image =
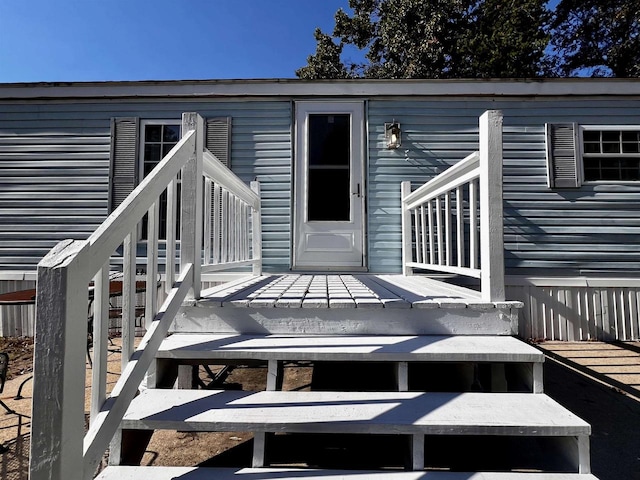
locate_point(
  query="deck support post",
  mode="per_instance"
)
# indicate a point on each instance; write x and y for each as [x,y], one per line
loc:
[256,234]
[417,451]
[402,374]
[491,216]
[192,203]
[259,441]
[407,240]
[57,425]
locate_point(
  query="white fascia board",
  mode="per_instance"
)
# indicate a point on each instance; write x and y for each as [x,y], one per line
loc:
[323,88]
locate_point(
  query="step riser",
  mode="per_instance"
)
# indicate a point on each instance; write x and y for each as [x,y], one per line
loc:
[355,321]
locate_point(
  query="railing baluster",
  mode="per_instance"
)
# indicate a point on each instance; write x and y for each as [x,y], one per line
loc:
[217,222]
[460,226]
[423,224]
[151,303]
[128,298]
[439,229]
[170,253]
[417,230]
[432,247]
[447,228]
[473,225]
[100,340]
[224,254]
[207,221]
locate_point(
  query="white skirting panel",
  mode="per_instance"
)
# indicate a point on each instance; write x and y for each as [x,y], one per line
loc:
[578,309]
[16,320]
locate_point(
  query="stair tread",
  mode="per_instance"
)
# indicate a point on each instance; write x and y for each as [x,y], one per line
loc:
[199,473]
[354,412]
[349,347]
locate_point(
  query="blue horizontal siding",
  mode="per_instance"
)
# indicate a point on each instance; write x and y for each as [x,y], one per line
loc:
[591,229]
[54,168]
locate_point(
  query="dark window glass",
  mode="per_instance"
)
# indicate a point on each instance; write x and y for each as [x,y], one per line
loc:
[591,136]
[329,195]
[611,155]
[158,141]
[171,133]
[153,133]
[328,189]
[630,142]
[329,140]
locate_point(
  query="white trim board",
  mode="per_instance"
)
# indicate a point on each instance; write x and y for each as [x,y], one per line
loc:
[293,87]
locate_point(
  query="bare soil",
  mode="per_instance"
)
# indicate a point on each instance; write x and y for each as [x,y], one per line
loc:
[20,350]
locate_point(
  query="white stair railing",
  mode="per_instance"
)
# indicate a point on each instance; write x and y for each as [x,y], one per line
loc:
[454,222]
[60,450]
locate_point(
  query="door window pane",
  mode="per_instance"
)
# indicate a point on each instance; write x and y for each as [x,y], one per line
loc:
[328,187]
[329,195]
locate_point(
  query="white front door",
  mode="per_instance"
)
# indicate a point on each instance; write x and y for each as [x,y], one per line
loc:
[329,186]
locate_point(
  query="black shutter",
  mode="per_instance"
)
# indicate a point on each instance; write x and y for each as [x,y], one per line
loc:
[218,139]
[123,173]
[562,155]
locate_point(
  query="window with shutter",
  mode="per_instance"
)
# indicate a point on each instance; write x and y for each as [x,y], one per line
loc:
[218,142]
[138,145]
[562,156]
[124,159]
[218,139]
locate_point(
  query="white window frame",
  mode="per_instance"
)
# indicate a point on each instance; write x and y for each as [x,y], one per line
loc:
[582,155]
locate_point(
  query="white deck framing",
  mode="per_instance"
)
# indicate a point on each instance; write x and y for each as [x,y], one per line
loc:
[346,304]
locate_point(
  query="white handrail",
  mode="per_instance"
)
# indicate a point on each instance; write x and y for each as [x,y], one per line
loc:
[58,450]
[214,169]
[455,247]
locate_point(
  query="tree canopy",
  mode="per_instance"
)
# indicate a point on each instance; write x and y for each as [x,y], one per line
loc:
[479,39]
[596,37]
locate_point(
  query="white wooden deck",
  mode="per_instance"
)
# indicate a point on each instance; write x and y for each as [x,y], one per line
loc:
[346,304]
[347,291]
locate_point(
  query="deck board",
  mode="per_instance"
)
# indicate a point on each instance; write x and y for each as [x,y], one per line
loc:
[344,291]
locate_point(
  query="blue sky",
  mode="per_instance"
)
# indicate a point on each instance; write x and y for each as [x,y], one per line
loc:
[84,40]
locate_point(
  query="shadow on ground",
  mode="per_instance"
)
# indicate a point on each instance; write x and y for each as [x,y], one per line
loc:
[614,419]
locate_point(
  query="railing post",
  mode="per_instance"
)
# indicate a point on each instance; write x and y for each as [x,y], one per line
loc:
[256,233]
[491,218]
[405,189]
[57,423]
[192,220]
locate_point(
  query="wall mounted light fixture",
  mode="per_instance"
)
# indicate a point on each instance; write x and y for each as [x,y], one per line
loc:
[392,135]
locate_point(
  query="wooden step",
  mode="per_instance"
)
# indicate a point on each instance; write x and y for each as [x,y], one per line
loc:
[195,473]
[209,348]
[404,413]
[397,348]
